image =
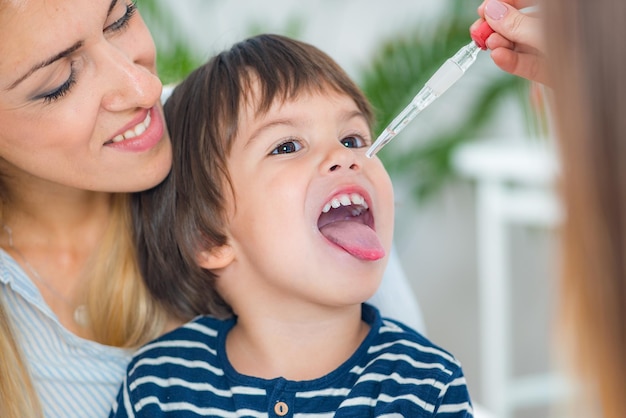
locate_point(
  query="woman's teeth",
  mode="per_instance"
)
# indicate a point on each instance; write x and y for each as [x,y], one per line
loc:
[136,131]
[345,200]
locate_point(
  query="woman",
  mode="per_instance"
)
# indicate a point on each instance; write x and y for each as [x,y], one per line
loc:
[584,64]
[81,120]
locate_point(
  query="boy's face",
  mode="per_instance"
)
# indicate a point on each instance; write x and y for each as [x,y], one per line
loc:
[289,169]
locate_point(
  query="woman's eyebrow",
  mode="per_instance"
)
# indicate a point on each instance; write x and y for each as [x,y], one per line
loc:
[45,63]
[56,57]
[111,7]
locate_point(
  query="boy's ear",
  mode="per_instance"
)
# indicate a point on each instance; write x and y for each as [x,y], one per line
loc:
[216,257]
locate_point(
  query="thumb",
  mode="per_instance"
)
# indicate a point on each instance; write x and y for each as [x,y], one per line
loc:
[513,25]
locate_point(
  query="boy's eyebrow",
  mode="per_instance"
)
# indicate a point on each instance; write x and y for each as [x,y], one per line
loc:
[289,122]
[355,114]
[56,57]
[271,124]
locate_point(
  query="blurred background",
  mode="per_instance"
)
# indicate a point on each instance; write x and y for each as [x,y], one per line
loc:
[475,209]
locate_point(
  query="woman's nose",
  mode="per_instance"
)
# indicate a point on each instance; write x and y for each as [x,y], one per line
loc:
[130,86]
[129,79]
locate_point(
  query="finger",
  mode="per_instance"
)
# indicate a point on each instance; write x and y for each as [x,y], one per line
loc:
[496,41]
[526,65]
[517,4]
[514,25]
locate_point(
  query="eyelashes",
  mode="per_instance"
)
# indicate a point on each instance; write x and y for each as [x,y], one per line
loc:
[122,22]
[290,146]
[118,25]
[63,89]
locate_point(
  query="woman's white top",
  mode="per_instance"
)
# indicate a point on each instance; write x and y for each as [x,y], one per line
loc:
[73,376]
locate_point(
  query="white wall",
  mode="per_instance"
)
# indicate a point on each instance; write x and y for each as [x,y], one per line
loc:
[348,30]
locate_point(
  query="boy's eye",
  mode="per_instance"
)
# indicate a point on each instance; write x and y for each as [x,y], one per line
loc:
[353,142]
[287,147]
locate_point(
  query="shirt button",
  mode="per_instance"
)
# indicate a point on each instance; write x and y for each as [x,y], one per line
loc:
[281,409]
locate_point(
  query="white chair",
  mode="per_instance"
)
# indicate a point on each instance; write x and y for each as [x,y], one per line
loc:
[395,298]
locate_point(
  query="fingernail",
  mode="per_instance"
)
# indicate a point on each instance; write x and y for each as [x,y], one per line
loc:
[495,9]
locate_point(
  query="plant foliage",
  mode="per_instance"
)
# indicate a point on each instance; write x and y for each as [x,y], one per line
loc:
[175,57]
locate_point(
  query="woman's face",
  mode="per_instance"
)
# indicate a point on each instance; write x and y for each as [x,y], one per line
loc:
[79,96]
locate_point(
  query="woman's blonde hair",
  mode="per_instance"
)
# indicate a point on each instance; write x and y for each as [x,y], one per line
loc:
[121,312]
[17,395]
[588,66]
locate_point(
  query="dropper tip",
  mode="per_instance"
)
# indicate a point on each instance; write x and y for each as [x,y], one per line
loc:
[380,142]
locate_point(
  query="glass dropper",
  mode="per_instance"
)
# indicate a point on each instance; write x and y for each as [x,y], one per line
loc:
[448,74]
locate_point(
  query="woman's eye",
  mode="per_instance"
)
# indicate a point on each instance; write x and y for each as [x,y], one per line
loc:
[353,142]
[122,22]
[60,91]
[287,147]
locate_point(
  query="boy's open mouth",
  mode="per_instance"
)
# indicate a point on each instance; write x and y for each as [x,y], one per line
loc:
[347,222]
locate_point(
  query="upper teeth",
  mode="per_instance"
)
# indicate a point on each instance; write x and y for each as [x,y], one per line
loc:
[136,131]
[345,200]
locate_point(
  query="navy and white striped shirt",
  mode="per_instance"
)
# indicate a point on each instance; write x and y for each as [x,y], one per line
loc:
[395,372]
[74,377]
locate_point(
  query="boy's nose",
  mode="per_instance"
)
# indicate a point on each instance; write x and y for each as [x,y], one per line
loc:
[341,158]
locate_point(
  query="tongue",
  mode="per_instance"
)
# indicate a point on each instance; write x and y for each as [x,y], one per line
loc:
[354,237]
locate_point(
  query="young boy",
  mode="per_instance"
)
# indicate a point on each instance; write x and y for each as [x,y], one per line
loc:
[275,223]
